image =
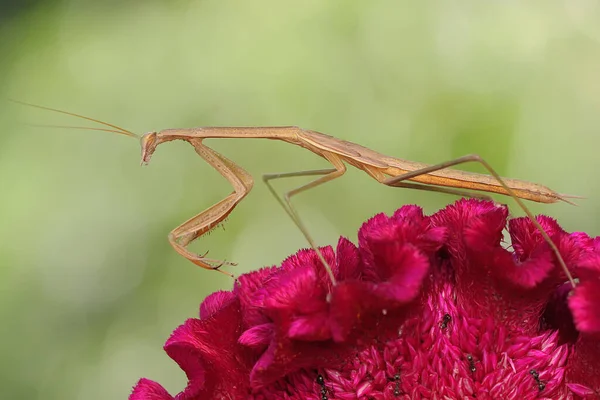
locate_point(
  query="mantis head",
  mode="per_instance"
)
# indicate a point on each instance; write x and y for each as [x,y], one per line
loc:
[148,142]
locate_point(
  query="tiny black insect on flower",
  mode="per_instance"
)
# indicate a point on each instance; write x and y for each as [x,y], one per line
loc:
[471,363]
[397,391]
[320,379]
[324,391]
[536,376]
[534,373]
[445,320]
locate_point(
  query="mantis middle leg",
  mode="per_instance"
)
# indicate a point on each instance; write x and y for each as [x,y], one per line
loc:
[328,175]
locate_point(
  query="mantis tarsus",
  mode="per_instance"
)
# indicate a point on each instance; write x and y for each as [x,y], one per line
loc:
[387,170]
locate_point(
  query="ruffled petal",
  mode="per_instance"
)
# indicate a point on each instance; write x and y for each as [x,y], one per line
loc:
[250,290]
[583,368]
[208,352]
[348,261]
[585,301]
[214,302]
[258,337]
[146,389]
[490,280]
[407,268]
[396,252]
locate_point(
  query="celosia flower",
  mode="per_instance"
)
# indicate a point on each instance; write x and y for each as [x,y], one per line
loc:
[424,308]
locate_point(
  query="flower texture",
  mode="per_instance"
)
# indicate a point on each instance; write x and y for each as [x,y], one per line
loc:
[425,307]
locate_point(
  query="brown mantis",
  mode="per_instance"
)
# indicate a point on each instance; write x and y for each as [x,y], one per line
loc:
[387,170]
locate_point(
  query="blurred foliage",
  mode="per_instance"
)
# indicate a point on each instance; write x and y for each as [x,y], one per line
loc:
[90,289]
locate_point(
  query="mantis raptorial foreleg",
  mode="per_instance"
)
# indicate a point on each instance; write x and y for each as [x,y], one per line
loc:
[196,226]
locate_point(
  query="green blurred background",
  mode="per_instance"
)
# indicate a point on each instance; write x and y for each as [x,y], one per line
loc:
[90,288]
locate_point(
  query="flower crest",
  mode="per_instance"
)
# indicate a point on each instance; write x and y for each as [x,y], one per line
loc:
[424,307]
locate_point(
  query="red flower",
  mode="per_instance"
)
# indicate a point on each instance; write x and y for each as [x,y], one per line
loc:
[424,307]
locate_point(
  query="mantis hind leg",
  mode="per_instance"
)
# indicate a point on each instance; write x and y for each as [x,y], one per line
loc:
[397,181]
[440,189]
[327,175]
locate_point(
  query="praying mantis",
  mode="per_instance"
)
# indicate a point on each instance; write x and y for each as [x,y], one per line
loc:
[390,171]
